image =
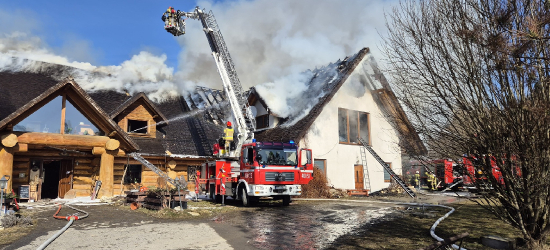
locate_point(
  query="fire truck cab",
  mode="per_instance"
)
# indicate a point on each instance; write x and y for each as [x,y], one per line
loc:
[264,169]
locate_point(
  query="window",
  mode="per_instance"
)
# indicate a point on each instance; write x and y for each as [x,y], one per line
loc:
[262,121]
[321,165]
[136,126]
[50,117]
[45,120]
[77,124]
[387,176]
[133,174]
[352,124]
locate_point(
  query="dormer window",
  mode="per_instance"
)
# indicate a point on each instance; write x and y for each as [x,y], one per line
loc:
[136,126]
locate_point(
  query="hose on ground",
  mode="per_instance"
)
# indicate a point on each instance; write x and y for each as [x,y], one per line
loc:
[432,229]
[70,218]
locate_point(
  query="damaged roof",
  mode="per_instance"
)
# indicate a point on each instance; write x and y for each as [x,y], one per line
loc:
[21,91]
[329,80]
[191,126]
[192,119]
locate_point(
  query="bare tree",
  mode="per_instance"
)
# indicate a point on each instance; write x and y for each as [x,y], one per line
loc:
[474,75]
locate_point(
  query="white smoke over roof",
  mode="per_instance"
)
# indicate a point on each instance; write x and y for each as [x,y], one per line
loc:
[270,42]
[274,43]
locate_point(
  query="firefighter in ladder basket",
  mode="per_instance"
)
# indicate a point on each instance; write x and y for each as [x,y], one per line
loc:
[228,137]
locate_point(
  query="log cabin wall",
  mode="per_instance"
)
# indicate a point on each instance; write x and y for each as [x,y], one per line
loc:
[138,112]
[149,178]
[84,173]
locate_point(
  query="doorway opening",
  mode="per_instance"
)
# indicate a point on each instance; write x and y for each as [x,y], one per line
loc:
[51,175]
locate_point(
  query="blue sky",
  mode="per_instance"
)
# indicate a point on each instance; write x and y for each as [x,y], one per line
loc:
[111,31]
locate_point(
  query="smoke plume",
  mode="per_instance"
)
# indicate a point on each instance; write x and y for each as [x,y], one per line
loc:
[273,42]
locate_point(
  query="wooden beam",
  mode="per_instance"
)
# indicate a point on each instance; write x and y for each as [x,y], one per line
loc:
[102,150]
[48,153]
[6,165]
[9,140]
[98,150]
[112,144]
[47,139]
[21,147]
[106,174]
[63,106]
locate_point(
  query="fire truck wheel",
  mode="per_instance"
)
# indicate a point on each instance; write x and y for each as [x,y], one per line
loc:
[245,198]
[218,198]
[286,200]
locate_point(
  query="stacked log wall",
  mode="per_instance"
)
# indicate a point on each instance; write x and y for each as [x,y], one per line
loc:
[149,178]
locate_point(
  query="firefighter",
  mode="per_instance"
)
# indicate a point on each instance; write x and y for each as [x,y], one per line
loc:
[417,180]
[429,179]
[434,181]
[228,137]
[173,15]
[166,17]
[216,149]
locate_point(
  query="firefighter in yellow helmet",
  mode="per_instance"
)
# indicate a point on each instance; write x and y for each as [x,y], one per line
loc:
[228,137]
[417,180]
[434,181]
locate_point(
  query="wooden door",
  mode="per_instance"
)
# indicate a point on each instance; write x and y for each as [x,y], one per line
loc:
[65,177]
[358,177]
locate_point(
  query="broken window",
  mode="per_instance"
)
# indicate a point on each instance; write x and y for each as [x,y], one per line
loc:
[351,125]
[137,126]
[387,176]
[133,174]
[262,121]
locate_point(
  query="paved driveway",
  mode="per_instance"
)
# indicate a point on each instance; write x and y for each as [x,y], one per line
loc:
[302,225]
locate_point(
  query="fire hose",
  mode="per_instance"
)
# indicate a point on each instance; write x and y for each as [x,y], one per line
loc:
[432,229]
[70,218]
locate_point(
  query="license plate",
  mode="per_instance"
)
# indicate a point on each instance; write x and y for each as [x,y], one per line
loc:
[280,188]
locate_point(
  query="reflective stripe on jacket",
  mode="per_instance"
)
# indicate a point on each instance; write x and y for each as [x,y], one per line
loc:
[228,134]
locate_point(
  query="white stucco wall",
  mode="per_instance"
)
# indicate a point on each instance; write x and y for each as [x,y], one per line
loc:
[323,139]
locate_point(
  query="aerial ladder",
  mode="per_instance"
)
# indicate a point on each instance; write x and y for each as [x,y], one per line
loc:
[265,169]
[244,118]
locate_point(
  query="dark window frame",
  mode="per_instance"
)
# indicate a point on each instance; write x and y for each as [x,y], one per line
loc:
[262,121]
[144,128]
[347,113]
[133,173]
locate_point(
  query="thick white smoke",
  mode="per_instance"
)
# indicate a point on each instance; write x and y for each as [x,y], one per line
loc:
[144,72]
[271,42]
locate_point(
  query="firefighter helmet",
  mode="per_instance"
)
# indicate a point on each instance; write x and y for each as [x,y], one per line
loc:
[228,123]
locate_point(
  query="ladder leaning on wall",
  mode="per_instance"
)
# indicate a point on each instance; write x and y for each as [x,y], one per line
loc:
[366,178]
[387,168]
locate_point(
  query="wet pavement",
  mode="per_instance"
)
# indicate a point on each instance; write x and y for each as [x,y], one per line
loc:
[302,225]
[305,224]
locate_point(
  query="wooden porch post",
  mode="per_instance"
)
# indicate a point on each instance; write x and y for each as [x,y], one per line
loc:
[106,173]
[6,165]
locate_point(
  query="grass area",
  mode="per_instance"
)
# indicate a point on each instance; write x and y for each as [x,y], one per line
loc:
[411,230]
[12,234]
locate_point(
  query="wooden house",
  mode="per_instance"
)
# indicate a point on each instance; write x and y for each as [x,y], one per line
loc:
[59,139]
